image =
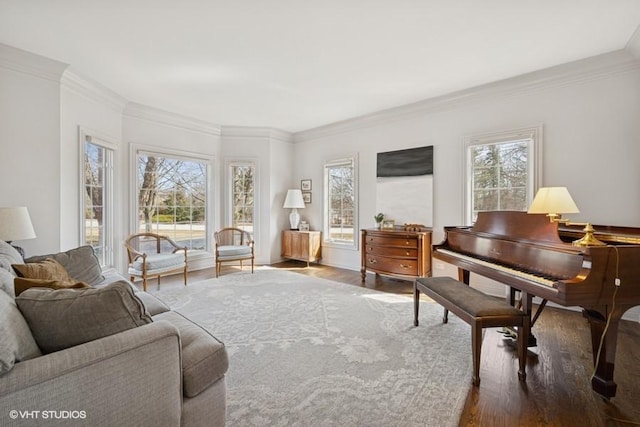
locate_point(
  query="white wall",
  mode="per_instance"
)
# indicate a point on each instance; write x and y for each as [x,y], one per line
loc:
[30,142]
[271,151]
[589,111]
[98,111]
[154,129]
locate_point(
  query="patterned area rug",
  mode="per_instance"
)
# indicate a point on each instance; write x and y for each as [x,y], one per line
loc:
[305,351]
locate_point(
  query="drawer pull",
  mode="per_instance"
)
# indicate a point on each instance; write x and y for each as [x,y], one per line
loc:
[406,267]
[372,261]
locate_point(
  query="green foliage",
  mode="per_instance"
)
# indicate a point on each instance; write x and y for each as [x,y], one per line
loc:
[379,217]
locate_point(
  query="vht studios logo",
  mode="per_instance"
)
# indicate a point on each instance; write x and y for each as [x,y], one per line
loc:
[47,415]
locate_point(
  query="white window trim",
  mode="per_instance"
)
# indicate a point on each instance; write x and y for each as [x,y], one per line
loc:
[335,160]
[243,161]
[97,138]
[135,149]
[535,133]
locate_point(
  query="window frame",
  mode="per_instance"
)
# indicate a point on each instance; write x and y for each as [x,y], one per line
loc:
[140,149]
[532,134]
[229,164]
[88,136]
[327,241]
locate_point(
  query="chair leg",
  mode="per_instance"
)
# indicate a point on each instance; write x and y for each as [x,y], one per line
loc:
[185,275]
[251,265]
[416,304]
[144,283]
[217,268]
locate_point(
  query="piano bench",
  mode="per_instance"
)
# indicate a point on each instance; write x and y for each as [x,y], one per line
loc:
[477,309]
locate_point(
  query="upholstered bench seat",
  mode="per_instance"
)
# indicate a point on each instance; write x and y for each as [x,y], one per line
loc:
[477,309]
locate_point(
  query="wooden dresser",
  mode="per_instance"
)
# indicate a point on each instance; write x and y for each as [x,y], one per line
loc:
[405,254]
[302,245]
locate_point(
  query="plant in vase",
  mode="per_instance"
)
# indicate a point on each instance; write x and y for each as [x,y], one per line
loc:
[379,217]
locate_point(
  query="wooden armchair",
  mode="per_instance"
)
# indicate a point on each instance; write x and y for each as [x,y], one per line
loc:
[154,255]
[233,244]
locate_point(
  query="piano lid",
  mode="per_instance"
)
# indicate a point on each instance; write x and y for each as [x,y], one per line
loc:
[518,225]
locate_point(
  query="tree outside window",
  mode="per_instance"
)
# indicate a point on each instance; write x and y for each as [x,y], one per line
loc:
[242,196]
[340,201]
[97,182]
[172,195]
[501,172]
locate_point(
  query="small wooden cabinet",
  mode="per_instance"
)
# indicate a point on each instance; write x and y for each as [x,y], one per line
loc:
[405,254]
[302,245]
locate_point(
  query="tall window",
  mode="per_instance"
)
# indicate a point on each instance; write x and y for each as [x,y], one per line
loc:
[501,171]
[96,227]
[172,198]
[340,201]
[242,195]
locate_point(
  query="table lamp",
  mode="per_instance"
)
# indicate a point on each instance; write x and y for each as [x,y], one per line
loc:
[554,201]
[15,224]
[294,202]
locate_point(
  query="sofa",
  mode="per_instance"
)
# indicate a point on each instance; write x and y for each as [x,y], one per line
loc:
[103,353]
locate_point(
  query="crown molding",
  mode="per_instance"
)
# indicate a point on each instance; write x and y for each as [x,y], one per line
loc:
[29,63]
[593,68]
[92,90]
[633,45]
[244,132]
[155,115]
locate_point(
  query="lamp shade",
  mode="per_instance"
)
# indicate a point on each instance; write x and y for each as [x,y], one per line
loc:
[293,199]
[15,224]
[553,200]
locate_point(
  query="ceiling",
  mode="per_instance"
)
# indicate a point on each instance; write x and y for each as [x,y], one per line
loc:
[300,64]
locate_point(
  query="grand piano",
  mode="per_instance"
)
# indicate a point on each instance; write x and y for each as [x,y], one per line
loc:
[534,256]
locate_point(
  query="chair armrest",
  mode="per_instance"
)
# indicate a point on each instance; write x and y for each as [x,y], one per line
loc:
[129,378]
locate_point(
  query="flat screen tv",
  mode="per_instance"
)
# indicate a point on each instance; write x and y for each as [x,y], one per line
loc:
[409,162]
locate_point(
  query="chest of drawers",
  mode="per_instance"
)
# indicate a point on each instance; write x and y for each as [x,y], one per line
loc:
[405,254]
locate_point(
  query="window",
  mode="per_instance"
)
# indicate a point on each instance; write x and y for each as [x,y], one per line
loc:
[172,198]
[242,195]
[340,202]
[96,225]
[502,171]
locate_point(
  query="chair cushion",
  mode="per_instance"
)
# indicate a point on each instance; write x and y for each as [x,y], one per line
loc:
[204,357]
[81,263]
[16,341]
[64,318]
[233,251]
[157,263]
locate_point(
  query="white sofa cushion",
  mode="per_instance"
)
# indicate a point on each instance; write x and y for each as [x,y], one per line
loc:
[16,341]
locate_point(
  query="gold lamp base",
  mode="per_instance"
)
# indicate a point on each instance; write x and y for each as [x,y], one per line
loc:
[588,239]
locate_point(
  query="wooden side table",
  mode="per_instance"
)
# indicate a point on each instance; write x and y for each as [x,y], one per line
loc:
[302,245]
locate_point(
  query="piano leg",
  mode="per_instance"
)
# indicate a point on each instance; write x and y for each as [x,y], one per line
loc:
[602,381]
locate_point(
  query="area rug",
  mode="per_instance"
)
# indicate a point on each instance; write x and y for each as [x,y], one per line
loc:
[305,351]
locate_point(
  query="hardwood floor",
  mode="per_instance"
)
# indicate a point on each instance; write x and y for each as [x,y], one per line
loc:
[557,391]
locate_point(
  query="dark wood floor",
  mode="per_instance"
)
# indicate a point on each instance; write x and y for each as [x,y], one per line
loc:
[557,391]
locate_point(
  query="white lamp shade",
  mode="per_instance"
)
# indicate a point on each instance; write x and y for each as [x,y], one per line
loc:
[293,199]
[15,224]
[553,200]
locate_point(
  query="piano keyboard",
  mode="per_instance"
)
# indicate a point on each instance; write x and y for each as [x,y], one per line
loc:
[505,269]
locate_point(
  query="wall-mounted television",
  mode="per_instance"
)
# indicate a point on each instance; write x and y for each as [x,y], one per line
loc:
[409,162]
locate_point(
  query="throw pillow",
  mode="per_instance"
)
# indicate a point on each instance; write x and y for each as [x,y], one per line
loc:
[21,284]
[16,342]
[67,317]
[49,269]
[81,263]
